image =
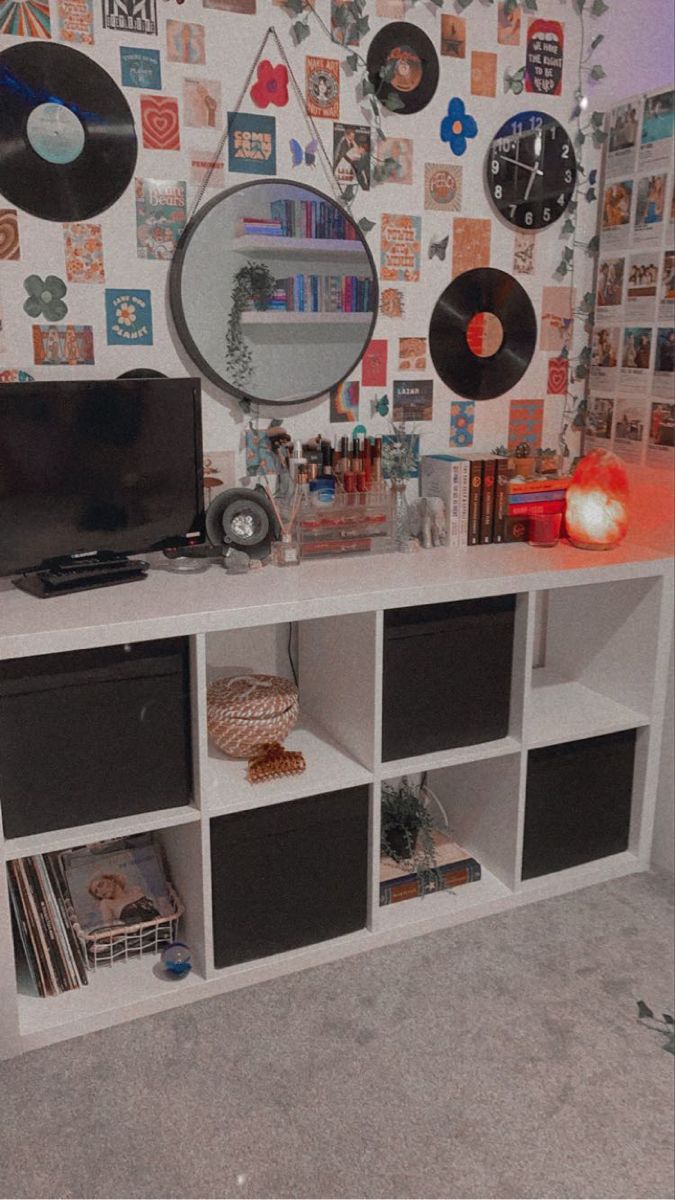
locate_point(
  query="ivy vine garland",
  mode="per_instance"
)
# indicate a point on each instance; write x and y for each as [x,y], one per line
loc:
[252,284]
[352,22]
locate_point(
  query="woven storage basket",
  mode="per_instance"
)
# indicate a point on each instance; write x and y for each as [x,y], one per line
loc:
[246,710]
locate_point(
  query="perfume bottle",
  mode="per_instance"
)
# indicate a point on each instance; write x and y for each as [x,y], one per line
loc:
[285,552]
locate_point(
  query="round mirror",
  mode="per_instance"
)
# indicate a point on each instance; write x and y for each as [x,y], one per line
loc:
[274,292]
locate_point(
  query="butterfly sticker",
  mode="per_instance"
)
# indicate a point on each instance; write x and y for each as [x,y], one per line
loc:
[381,406]
[308,155]
[438,247]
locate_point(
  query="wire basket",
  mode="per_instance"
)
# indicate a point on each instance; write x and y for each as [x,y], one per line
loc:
[104,947]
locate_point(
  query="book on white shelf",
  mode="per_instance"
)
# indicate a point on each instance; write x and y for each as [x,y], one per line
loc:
[454,867]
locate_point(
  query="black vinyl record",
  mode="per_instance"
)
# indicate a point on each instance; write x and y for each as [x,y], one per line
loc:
[405,50]
[67,136]
[482,293]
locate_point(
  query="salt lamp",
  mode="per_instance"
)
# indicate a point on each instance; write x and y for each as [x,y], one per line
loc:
[596,512]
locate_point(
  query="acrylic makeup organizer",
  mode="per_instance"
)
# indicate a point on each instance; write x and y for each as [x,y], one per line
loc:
[356,522]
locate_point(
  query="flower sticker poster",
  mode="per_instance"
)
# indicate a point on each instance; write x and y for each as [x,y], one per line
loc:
[458,126]
[271,85]
[400,247]
[83,245]
[63,345]
[128,317]
[45,297]
[462,420]
[322,87]
[160,216]
[251,144]
[544,57]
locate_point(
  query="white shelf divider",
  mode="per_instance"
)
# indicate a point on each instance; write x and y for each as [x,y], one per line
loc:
[449,758]
[293,247]
[277,317]
[82,835]
[564,710]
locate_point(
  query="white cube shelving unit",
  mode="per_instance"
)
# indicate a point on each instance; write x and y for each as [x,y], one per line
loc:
[590,657]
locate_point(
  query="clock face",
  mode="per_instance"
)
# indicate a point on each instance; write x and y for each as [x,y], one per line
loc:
[531,170]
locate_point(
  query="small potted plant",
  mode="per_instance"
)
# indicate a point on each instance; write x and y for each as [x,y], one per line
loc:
[406,834]
[253,285]
[547,461]
[522,460]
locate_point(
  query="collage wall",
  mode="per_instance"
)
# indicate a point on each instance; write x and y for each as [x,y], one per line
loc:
[182,67]
[631,405]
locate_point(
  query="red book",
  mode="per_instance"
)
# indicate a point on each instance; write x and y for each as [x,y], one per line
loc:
[487,500]
[537,508]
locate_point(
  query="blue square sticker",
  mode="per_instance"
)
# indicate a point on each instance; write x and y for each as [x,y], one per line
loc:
[128,315]
[140,68]
[251,144]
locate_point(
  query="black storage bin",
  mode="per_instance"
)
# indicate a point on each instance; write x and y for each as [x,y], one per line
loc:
[447,675]
[94,734]
[578,802]
[289,875]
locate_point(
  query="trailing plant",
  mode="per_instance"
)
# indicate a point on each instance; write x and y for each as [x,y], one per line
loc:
[252,284]
[665,1025]
[407,833]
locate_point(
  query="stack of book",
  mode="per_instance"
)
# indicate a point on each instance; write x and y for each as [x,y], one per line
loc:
[54,955]
[263,226]
[483,504]
[533,497]
[322,293]
[312,219]
[454,866]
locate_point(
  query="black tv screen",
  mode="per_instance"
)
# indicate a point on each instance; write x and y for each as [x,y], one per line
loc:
[113,465]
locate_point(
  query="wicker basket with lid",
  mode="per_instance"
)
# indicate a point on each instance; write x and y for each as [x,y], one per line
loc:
[244,711]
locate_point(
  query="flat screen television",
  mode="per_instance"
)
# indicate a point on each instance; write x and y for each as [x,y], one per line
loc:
[98,465]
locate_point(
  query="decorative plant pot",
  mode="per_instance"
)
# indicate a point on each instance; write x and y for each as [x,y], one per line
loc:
[522,466]
[244,711]
[402,842]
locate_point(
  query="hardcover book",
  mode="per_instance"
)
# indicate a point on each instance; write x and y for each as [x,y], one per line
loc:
[454,867]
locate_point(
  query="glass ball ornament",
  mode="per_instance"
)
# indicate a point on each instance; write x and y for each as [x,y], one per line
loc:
[177,959]
[596,507]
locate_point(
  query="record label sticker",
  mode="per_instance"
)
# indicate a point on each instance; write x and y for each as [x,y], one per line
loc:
[55,133]
[407,67]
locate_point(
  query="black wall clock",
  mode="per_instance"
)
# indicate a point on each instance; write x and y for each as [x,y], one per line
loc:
[531,170]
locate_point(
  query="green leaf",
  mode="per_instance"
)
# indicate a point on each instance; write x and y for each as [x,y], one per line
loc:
[300,31]
[568,227]
[365,225]
[564,352]
[363,25]
[668,1019]
[568,254]
[579,138]
[599,37]
[393,102]
[597,120]
[588,300]
[367,88]
[349,193]
[580,5]
[438,3]
[464,3]
[562,268]
[599,136]
[380,133]
[598,8]
[644,1010]
[594,245]
[530,5]
[245,405]
[597,72]
[580,371]
[294,6]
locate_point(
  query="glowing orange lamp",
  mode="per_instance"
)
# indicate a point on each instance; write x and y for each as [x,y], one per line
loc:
[596,512]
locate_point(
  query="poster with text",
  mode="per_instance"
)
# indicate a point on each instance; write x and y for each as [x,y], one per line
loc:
[661,440]
[641,291]
[636,354]
[351,155]
[130,16]
[650,204]
[160,216]
[667,288]
[629,428]
[128,314]
[624,127]
[604,357]
[75,20]
[322,87]
[442,187]
[609,296]
[663,364]
[599,421]
[374,364]
[400,247]
[656,137]
[616,209]
[140,68]
[544,57]
[206,167]
[413,400]
[251,144]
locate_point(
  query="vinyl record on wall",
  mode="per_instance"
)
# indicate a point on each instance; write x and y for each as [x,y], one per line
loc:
[402,60]
[482,333]
[67,137]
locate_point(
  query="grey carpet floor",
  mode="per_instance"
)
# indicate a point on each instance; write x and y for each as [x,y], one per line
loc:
[500,1059]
